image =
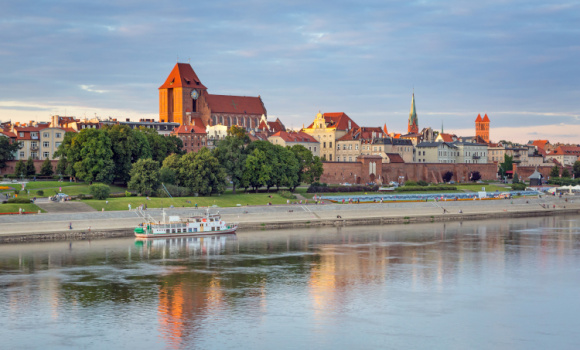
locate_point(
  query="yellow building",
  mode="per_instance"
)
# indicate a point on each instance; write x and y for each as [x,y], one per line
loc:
[326,129]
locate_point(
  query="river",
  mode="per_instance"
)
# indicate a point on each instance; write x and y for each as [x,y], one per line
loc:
[503,284]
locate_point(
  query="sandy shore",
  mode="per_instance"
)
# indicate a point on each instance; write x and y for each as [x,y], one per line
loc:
[111,224]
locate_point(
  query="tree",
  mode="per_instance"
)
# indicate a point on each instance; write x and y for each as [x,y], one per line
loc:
[555,172]
[168,175]
[61,166]
[576,169]
[7,150]
[145,177]
[289,168]
[231,153]
[566,173]
[172,161]
[46,169]
[92,156]
[67,153]
[202,173]
[310,166]
[100,191]
[516,178]
[128,146]
[475,176]
[447,176]
[258,170]
[20,168]
[507,165]
[30,169]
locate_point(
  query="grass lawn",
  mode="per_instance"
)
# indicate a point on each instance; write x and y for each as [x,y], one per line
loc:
[50,188]
[225,200]
[13,208]
[477,187]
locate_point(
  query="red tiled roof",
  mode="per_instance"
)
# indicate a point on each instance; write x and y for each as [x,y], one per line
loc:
[275,126]
[235,104]
[447,137]
[338,120]
[8,133]
[259,136]
[478,119]
[294,136]
[31,128]
[571,150]
[189,129]
[540,143]
[485,118]
[68,129]
[395,158]
[363,133]
[182,75]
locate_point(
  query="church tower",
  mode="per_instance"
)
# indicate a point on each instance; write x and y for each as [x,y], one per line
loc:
[482,127]
[413,126]
[182,96]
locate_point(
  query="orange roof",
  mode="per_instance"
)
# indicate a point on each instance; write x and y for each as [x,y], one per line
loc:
[485,118]
[540,143]
[68,129]
[447,137]
[338,120]
[182,75]
[189,129]
[571,150]
[478,119]
[294,136]
[395,158]
[235,104]
[8,133]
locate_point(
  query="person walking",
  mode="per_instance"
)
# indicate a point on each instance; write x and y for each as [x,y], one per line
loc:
[129,205]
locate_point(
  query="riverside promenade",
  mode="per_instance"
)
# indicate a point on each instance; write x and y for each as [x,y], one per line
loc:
[122,223]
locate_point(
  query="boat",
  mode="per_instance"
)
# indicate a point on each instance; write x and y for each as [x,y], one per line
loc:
[196,225]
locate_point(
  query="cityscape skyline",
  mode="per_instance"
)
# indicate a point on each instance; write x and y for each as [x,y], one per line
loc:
[513,60]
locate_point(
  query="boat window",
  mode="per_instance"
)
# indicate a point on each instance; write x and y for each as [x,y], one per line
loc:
[167,231]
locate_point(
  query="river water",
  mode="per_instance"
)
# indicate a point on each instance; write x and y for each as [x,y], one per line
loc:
[504,284]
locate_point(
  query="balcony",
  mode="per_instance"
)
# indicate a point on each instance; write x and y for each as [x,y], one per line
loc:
[476,157]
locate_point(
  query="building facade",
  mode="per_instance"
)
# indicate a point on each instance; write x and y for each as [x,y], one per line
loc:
[289,139]
[326,129]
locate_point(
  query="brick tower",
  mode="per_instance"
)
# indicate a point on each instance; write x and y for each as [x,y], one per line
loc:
[482,127]
[182,96]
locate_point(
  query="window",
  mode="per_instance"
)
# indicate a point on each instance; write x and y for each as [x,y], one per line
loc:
[350,159]
[343,147]
[21,155]
[310,148]
[330,145]
[57,144]
[324,145]
[338,159]
[46,144]
[45,134]
[34,144]
[21,134]
[314,148]
[46,155]
[330,157]
[356,146]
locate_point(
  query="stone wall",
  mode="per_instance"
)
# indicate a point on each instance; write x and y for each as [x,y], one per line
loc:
[11,164]
[525,171]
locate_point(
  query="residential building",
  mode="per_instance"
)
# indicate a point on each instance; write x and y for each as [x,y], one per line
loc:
[270,128]
[289,139]
[348,147]
[29,138]
[327,128]
[437,152]
[50,140]
[193,136]
[164,129]
[215,133]
[389,145]
[471,153]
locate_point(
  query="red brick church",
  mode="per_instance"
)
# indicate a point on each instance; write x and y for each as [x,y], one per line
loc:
[185,100]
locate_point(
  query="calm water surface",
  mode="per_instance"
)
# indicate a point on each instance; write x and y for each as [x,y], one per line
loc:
[512,284]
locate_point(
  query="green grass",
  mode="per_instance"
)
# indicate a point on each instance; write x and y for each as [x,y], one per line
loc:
[225,200]
[13,208]
[50,188]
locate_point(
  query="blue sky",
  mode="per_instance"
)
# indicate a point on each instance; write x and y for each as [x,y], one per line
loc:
[518,61]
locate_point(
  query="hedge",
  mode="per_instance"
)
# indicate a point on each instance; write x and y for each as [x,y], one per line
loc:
[323,189]
[425,188]
[18,200]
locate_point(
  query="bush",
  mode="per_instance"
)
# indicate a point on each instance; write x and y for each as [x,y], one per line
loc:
[516,178]
[318,184]
[518,187]
[127,194]
[447,176]
[100,191]
[421,183]
[40,193]
[19,200]
[287,195]
[410,183]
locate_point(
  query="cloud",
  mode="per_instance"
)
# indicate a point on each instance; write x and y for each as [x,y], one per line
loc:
[90,88]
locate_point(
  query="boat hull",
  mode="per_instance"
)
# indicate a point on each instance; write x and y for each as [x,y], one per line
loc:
[186,234]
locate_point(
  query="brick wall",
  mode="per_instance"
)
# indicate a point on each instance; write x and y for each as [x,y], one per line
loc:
[9,169]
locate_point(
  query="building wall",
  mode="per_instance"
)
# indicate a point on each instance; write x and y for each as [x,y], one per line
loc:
[54,137]
[11,164]
[346,150]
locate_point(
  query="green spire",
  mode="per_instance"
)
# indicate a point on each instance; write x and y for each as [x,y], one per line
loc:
[413,113]
[442,126]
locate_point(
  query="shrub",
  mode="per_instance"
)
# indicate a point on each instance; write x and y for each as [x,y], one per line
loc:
[287,195]
[516,178]
[421,183]
[518,187]
[40,193]
[318,184]
[448,176]
[127,194]
[18,200]
[410,183]
[100,191]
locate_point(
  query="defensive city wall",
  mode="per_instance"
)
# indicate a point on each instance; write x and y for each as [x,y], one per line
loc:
[372,169]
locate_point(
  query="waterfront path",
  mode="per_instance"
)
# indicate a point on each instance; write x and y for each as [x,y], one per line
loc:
[265,216]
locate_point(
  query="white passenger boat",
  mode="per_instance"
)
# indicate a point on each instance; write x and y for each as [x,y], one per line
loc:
[176,226]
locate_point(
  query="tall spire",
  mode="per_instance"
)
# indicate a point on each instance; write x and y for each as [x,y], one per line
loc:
[413,126]
[442,126]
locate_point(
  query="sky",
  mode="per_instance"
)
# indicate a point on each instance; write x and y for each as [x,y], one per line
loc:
[517,61]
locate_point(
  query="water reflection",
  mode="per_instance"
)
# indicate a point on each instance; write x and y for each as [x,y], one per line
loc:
[306,287]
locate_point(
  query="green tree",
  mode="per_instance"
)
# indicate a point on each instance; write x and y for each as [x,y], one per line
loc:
[202,173]
[555,172]
[162,146]
[7,150]
[172,161]
[576,169]
[231,153]
[61,166]
[516,178]
[30,169]
[46,169]
[128,146]
[68,151]
[92,156]
[168,175]
[289,168]
[20,168]
[239,133]
[566,173]
[99,191]
[507,165]
[311,167]
[258,170]
[145,177]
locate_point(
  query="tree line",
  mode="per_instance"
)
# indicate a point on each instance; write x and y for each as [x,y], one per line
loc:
[235,159]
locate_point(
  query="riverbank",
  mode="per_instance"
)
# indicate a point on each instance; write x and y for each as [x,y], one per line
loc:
[40,227]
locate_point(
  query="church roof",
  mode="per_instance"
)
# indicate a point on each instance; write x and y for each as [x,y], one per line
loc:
[182,75]
[478,119]
[235,104]
[485,118]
